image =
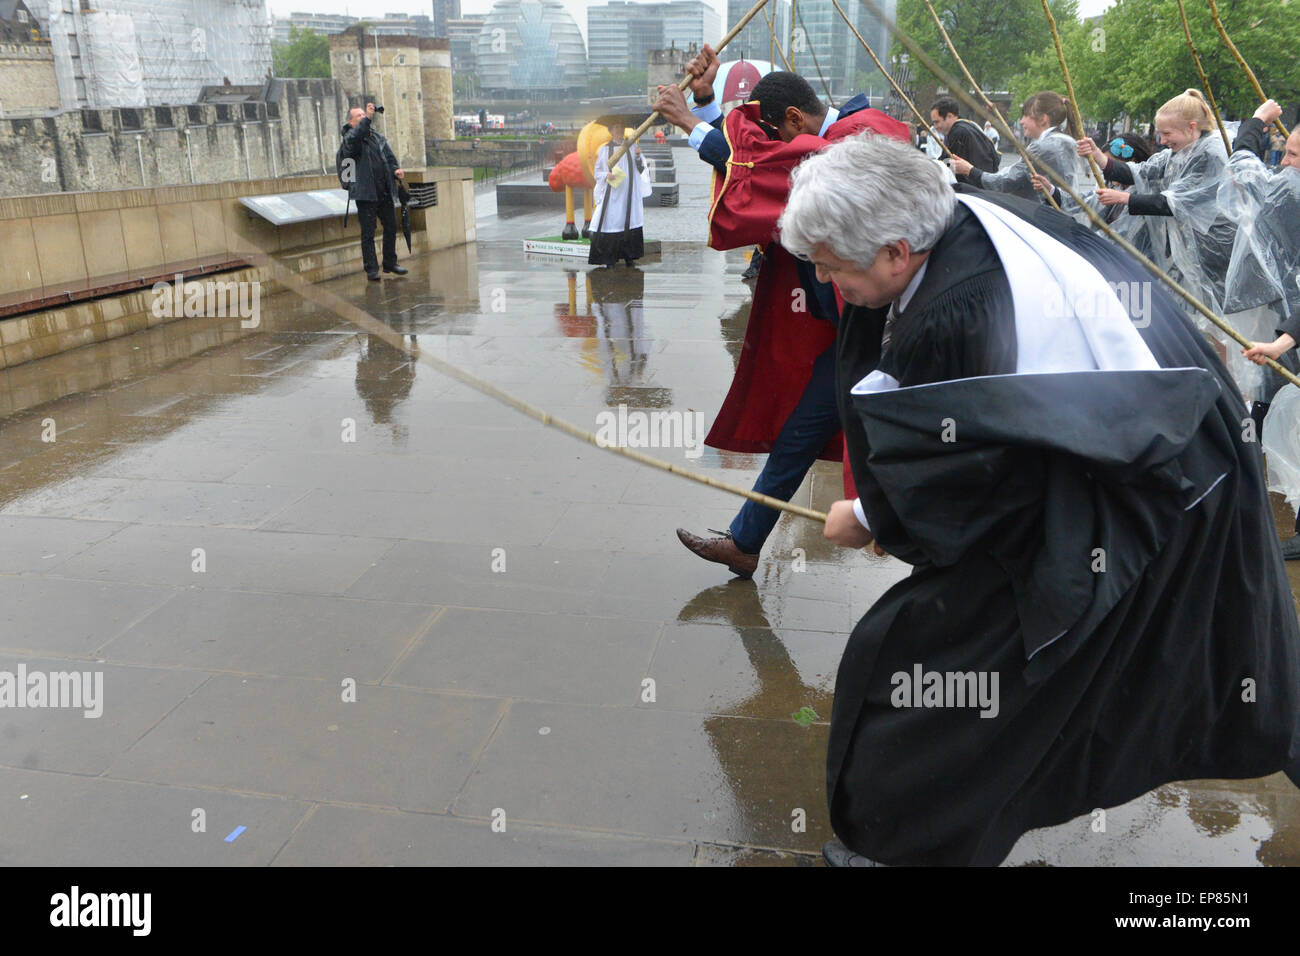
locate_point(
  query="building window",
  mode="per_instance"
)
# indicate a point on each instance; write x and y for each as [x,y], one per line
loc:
[22,16]
[347,58]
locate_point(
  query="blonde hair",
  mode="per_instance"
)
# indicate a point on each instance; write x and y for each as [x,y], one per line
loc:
[1187,108]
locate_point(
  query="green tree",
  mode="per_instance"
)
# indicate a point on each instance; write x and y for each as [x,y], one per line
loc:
[306,54]
[617,83]
[1135,57]
[997,39]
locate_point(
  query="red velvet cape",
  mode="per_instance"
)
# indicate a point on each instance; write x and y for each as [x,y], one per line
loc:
[781,344]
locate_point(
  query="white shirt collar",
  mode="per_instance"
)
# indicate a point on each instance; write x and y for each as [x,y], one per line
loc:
[912,286]
[832,115]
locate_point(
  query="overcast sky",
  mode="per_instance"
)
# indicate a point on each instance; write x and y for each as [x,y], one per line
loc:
[576,8]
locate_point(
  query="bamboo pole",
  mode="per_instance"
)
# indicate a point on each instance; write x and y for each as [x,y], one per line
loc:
[1205,80]
[772,45]
[885,73]
[1069,93]
[1097,221]
[683,83]
[330,302]
[999,121]
[817,63]
[1241,61]
[790,43]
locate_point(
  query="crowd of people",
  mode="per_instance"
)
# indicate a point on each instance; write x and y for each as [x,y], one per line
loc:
[1071,472]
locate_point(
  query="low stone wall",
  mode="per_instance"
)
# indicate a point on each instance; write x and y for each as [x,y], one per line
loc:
[71,245]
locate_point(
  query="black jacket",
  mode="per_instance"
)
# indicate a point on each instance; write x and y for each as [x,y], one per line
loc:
[968,141]
[370,174]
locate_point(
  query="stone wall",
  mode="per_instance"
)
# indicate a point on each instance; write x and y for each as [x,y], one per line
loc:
[90,258]
[27,81]
[388,73]
[293,131]
[435,82]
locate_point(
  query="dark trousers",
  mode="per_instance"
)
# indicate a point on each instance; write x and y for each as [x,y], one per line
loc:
[813,423]
[367,213]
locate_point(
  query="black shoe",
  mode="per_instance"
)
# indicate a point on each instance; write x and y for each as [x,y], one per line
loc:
[836,853]
[396,270]
[755,263]
[372,276]
[1291,548]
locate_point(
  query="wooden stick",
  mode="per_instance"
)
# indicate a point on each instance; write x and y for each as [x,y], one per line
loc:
[1004,128]
[331,302]
[817,63]
[1205,80]
[1097,221]
[1241,60]
[685,82]
[790,42]
[897,89]
[773,46]
[1069,93]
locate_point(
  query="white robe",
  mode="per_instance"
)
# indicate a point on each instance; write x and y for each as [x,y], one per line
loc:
[620,217]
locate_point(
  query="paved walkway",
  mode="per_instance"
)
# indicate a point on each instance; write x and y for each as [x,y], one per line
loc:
[493,594]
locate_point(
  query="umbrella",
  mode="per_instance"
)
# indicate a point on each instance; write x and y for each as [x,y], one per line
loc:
[404,197]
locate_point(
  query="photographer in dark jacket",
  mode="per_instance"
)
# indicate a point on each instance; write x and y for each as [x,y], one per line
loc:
[366,168]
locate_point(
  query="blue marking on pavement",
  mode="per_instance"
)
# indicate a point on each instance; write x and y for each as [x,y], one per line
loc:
[234,834]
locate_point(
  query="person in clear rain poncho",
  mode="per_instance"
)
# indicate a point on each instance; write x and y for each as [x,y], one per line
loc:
[1263,283]
[1172,214]
[1042,117]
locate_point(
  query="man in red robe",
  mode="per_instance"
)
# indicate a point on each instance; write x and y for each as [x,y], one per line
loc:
[782,399]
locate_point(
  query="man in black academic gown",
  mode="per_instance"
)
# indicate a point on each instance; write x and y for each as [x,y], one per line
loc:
[1098,605]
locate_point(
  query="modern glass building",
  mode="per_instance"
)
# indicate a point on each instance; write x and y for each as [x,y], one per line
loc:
[821,40]
[620,34]
[530,48]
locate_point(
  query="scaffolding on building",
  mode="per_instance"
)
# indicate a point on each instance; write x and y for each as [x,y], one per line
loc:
[111,53]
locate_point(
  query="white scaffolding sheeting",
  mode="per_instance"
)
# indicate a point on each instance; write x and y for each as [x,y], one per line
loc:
[146,53]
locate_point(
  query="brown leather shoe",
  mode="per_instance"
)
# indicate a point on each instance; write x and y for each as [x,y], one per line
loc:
[721,549]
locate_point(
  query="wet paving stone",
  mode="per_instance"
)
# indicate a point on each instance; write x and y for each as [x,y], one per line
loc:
[419,608]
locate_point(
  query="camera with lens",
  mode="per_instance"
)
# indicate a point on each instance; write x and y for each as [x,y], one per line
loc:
[379,109]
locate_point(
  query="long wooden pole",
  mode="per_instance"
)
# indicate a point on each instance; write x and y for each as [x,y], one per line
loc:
[773,45]
[1056,178]
[885,73]
[1004,128]
[683,83]
[1069,93]
[1205,80]
[1241,60]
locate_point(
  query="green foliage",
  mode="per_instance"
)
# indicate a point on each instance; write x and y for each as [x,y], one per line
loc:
[1139,59]
[306,54]
[805,717]
[997,39]
[617,83]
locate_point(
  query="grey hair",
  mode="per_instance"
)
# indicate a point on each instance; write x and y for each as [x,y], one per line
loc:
[863,193]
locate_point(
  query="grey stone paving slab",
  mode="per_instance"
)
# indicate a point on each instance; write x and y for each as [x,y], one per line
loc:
[751,672]
[344,836]
[235,558]
[465,517]
[156,501]
[392,747]
[539,656]
[129,701]
[42,544]
[532,579]
[72,618]
[625,769]
[54,819]
[636,528]
[283,634]
[179,459]
[1178,825]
